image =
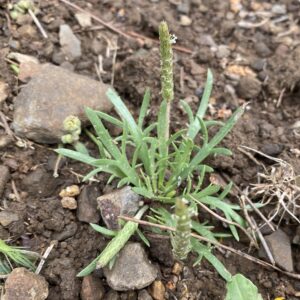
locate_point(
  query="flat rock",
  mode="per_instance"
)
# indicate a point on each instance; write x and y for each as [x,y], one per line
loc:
[52,95]
[8,217]
[24,285]
[4,177]
[92,288]
[87,205]
[70,44]
[121,202]
[132,269]
[280,246]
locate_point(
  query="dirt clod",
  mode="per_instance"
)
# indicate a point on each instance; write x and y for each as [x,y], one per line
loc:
[24,285]
[92,288]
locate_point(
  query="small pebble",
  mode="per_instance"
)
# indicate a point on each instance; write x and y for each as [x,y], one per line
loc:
[177,268]
[70,191]
[185,20]
[158,290]
[83,19]
[69,203]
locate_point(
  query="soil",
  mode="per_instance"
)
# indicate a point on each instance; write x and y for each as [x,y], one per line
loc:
[269,52]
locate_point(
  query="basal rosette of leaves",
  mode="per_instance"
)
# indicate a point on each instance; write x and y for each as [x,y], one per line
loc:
[163,166]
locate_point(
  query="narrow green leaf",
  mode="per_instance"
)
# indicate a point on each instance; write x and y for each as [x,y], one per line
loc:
[124,113]
[195,126]
[77,156]
[109,119]
[188,111]
[144,108]
[103,230]
[221,151]
[143,238]
[103,134]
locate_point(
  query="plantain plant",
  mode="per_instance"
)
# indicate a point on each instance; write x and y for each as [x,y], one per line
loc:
[163,166]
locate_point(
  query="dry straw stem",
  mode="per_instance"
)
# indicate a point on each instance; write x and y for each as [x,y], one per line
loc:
[278,186]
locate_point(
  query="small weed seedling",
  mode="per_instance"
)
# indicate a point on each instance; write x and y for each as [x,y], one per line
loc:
[13,256]
[164,166]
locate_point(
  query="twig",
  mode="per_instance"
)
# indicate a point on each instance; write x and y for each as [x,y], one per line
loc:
[128,35]
[44,257]
[16,193]
[112,28]
[56,166]
[279,101]
[248,200]
[6,126]
[203,239]
[263,242]
[38,24]
[251,157]
[114,65]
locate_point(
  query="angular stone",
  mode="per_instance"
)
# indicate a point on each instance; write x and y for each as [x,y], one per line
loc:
[92,288]
[69,203]
[87,204]
[158,290]
[52,95]
[24,285]
[121,202]
[4,177]
[83,19]
[8,217]
[70,44]
[132,269]
[280,247]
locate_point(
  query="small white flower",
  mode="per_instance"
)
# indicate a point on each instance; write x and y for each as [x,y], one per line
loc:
[173,39]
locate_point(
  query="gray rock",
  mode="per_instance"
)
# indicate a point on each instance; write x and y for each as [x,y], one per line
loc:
[52,95]
[41,183]
[223,51]
[4,177]
[132,269]
[184,7]
[272,149]
[262,49]
[87,205]
[92,288]
[120,202]
[248,87]
[8,217]
[280,247]
[24,285]
[83,19]
[70,44]
[22,58]
[144,295]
